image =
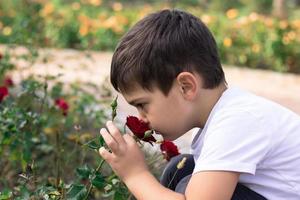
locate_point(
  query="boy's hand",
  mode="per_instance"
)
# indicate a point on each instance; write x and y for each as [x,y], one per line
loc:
[125,158]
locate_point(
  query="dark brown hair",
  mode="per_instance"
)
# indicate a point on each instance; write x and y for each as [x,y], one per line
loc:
[160,46]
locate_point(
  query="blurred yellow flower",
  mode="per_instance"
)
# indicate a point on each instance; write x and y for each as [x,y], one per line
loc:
[296,24]
[227,42]
[286,40]
[95,2]
[122,19]
[117,6]
[253,16]
[242,21]
[102,17]
[232,13]
[49,131]
[47,10]
[145,11]
[291,35]
[207,19]
[118,29]
[76,6]
[83,30]
[7,30]
[283,24]
[115,23]
[255,48]
[269,22]
[110,22]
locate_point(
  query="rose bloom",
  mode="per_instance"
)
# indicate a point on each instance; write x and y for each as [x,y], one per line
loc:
[8,81]
[1,56]
[169,149]
[3,92]
[63,105]
[139,128]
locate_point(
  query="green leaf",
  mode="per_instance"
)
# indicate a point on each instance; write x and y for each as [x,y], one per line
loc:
[76,192]
[98,181]
[96,143]
[119,196]
[84,172]
[5,194]
[101,141]
[93,144]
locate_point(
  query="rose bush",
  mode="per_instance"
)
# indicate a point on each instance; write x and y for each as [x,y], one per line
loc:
[47,130]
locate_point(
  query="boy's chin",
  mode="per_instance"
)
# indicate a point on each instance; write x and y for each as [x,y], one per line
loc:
[168,137]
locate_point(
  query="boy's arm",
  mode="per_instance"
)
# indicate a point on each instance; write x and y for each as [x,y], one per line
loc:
[214,185]
[127,160]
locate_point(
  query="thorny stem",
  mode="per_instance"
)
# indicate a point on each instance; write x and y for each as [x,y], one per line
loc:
[57,157]
[45,96]
[91,185]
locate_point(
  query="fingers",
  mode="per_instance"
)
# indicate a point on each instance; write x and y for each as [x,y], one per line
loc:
[129,139]
[115,133]
[109,140]
[104,153]
[113,138]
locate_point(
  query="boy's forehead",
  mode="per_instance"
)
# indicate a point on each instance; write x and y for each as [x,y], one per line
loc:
[137,93]
[134,93]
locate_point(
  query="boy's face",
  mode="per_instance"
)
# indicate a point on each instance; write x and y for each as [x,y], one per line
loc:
[167,115]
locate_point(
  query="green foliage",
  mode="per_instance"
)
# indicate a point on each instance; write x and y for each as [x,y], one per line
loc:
[99,24]
[77,192]
[48,138]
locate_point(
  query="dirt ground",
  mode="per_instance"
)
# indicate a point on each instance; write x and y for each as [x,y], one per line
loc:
[95,66]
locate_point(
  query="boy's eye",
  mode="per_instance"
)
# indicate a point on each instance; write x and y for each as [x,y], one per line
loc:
[140,106]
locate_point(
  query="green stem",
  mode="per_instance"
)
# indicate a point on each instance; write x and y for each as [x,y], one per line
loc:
[57,138]
[45,95]
[91,185]
[172,178]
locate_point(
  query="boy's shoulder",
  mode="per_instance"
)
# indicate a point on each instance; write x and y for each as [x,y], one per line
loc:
[237,100]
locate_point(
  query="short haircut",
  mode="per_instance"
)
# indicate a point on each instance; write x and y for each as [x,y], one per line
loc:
[162,45]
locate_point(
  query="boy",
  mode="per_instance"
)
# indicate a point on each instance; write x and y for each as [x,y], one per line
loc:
[167,66]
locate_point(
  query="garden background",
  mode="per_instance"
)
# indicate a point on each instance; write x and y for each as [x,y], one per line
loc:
[55,95]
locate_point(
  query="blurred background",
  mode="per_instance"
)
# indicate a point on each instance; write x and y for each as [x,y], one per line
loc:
[258,34]
[55,93]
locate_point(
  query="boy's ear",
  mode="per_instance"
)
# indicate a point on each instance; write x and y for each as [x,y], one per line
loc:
[188,84]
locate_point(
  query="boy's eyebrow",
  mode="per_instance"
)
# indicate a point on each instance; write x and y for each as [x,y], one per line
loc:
[134,102]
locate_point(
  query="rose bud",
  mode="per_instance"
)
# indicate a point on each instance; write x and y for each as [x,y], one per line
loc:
[3,92]
[63,105]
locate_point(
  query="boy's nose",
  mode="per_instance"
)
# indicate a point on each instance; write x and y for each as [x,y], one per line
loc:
[143,118]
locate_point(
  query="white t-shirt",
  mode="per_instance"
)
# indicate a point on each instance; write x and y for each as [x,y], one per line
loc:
[257,137]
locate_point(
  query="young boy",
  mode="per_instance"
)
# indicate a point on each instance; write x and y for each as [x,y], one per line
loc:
[167,66]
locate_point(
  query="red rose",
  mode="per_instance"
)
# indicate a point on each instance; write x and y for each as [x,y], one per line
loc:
[169,149]
[3,92]
[139,128]
[1,56]
[8,81]
[63,105]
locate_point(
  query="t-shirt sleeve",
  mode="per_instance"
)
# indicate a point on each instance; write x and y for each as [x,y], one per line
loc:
[233,142]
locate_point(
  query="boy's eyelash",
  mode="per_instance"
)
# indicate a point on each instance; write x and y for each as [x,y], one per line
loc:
[139,105]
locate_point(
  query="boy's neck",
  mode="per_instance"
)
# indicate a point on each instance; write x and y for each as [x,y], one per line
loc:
[207,100]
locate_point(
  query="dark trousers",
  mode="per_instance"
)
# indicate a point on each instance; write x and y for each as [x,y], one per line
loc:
[182,177]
